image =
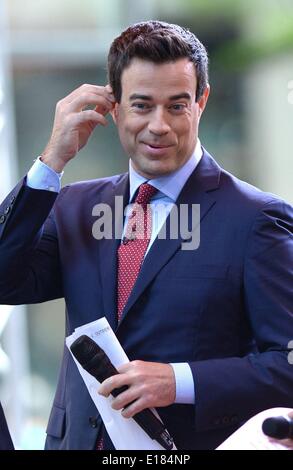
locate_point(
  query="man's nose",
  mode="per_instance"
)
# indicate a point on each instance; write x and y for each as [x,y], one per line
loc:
[158,123]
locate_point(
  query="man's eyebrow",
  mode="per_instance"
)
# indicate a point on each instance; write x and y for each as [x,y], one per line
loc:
[180,96]
[137,96]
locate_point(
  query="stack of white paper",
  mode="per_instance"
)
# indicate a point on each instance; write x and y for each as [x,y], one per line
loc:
[125,434]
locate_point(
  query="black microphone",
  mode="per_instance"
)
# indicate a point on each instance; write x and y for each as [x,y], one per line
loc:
[95,361]
[279,427]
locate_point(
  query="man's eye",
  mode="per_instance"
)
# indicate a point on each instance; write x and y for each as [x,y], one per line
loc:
[140,106]
[178,107]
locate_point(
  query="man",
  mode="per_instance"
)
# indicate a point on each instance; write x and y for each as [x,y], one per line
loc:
[206,329]
[5,439]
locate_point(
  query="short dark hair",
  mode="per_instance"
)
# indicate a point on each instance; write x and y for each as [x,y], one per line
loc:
[157,42]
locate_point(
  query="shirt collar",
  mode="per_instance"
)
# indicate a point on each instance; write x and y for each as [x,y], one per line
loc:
[168,185]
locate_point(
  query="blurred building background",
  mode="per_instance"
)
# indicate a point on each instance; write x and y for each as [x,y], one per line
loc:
[50,47]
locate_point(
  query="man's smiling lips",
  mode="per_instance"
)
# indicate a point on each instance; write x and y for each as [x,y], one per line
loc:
[156,149]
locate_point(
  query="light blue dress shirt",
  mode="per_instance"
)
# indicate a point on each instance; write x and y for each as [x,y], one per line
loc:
[41,176]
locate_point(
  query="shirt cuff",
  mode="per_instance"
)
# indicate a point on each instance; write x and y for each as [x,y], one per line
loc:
[184,383]
[41,176]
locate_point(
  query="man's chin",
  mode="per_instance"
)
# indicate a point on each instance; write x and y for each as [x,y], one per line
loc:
[154,170]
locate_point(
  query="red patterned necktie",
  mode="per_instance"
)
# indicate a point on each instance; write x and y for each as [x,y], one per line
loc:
[134,245]
[132,250]
[100,443]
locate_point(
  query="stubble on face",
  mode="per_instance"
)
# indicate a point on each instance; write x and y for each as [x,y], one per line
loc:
[158,116]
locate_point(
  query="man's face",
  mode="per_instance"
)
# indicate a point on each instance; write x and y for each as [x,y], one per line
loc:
[158,117]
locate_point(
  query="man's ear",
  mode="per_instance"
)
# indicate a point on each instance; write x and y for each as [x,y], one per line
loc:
[203,100]
[114,113]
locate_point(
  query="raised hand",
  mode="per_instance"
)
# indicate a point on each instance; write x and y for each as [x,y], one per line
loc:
[74,122]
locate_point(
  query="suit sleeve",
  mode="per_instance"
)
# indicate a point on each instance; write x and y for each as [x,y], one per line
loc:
[231,390]
[29,259]
[5,438]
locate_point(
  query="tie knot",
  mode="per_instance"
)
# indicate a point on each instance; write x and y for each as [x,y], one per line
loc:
[145,193]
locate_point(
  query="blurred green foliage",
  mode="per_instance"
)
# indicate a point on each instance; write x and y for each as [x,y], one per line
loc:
[265,28]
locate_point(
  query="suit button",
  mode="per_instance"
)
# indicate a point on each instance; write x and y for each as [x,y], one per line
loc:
[93,421]
[7,210]
[12,199]
[2,219]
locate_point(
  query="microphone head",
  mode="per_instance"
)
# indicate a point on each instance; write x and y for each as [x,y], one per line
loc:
[84,349]
[92,358]
[277,427]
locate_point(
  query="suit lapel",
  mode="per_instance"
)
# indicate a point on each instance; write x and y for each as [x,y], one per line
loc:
[108,248]
[199,189]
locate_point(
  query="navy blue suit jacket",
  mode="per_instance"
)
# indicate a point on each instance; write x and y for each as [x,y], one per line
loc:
[5,439]
[225,308]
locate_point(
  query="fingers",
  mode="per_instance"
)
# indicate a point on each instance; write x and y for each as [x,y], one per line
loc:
[105,91]
[131,401]
[128,375]
[126,401]
[84,97]
[89,99]
[76,116]
[149,385]
[123,368]
[109,88]
[91,116]
[134,408]
[87,95]
[116,381]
